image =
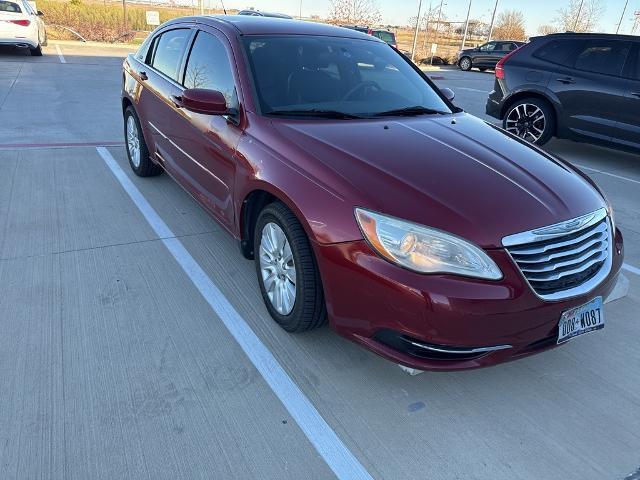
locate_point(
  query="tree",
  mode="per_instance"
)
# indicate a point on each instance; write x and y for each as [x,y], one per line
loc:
[354,12]
[510,26]
[580,16]
[547,29]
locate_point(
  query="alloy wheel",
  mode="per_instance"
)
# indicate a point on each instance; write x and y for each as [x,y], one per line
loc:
[465,64]
[277,268]
[527,121]
[133,141]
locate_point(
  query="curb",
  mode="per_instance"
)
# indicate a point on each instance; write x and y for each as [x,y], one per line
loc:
[77,43]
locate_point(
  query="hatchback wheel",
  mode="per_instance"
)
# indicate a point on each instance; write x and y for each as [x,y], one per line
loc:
[465,64]
[137,150]
[287,270]
[531,119]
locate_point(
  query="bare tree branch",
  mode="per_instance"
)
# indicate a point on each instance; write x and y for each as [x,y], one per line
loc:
[510,26]
[354,12]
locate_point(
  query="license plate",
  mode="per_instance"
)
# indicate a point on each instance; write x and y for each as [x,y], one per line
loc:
[580,320]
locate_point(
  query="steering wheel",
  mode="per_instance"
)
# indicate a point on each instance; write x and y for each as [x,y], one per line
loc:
[361,86]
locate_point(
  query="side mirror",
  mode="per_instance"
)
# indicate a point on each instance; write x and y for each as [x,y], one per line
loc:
[40,13]
[201,100]
[448,93]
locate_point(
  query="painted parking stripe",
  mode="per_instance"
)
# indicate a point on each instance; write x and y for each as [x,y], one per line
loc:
[619,177]
[60,56]
[13,146]
[630,268]
[334,452]
[471,89]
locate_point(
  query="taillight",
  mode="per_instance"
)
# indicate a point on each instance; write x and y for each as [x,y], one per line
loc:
[500,64]
[22,23]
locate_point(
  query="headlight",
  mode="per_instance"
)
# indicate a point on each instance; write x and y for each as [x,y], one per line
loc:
[423,249]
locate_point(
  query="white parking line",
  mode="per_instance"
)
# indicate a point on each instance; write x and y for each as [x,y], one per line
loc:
[631,269]
[620,177]
[322,437]
[60,56]
[471,89]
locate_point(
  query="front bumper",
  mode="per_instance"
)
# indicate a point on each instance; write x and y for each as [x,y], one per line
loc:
[367,297]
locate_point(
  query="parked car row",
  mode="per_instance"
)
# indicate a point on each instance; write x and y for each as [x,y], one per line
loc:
[365,198]
[22,26]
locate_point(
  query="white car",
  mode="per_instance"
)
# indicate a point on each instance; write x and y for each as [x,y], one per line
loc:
[21,25]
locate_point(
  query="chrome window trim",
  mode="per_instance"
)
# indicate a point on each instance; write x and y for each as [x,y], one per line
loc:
[537,235]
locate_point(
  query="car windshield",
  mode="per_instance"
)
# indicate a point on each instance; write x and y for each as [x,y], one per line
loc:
[336,78]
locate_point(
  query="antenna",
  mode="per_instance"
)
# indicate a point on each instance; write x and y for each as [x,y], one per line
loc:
[223,9]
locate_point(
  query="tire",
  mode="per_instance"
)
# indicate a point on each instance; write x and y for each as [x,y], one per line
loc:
[465,64]
[531,119]
[139,159]
[308,310]
[36,52]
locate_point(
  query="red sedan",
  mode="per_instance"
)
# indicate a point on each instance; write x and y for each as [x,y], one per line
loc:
[365,197]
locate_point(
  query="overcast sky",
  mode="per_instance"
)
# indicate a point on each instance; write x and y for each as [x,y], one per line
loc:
[397,12]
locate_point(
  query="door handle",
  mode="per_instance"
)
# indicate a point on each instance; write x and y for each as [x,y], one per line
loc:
[143,76]
[176,100]
[636,94]
[566,80]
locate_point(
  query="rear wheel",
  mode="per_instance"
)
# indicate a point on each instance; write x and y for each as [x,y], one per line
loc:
[36,52]
[465,64]
[531,119]
[137,150]
[287,270]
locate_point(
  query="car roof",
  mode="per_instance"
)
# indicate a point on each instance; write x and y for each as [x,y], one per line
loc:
[258,25]
[610,36]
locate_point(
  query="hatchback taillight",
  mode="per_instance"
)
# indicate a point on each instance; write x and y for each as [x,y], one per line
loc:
[22,23]
[500,64]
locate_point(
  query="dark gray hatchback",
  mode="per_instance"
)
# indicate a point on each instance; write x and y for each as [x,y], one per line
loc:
[585,87]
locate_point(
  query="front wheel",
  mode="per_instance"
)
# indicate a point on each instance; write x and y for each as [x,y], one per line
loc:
[465,64]
[287,270]
[531,119]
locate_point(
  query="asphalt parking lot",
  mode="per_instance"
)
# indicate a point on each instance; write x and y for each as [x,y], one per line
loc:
[114,365]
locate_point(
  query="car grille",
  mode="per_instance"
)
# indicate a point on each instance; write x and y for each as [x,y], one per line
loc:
[565,265]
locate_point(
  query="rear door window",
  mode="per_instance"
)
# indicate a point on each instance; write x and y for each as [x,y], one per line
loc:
[385,36]
[603,56]
[9,7]
[169,51]
[209,67]
[558,51]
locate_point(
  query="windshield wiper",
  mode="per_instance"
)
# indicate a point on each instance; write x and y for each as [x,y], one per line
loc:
[314,113]
[410,111]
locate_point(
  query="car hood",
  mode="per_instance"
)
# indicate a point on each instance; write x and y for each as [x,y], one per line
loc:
[452,172]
